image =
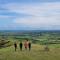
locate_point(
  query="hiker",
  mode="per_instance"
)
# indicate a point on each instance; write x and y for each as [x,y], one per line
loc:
[29,46]
[20,45]
[26,44]
[15,45]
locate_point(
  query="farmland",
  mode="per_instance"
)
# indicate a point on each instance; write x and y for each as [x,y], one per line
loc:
[38,39]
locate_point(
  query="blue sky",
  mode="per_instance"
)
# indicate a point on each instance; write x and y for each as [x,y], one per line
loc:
[29,14]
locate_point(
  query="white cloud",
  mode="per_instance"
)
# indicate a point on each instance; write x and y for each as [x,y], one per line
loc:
[4,17]
[37,21]
[46,15]
[33,8]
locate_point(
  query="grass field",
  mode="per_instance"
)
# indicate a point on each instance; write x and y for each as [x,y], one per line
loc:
[37,53]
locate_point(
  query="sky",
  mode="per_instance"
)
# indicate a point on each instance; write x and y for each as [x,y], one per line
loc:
[29,14]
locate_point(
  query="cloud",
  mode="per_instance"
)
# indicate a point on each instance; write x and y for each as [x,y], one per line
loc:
[37,21]
[40,16]
[5,17]
[32,8]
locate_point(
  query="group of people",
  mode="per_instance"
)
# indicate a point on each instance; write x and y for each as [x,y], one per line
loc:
[26,44]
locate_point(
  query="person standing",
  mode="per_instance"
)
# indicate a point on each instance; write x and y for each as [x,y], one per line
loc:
[26,44]
[29,46]
[20,45]
[15,45]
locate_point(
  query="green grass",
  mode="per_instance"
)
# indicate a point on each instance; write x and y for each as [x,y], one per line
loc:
[37,53]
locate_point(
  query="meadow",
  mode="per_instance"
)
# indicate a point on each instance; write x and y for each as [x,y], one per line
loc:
[38,52]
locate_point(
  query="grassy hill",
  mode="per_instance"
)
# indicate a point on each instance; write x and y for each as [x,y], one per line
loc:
[37,53]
